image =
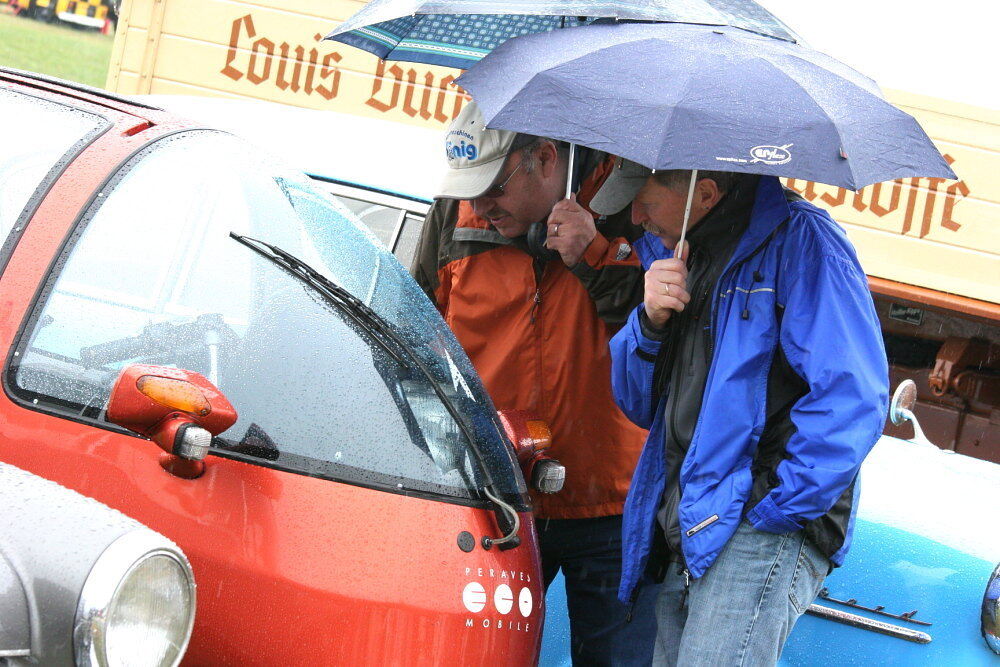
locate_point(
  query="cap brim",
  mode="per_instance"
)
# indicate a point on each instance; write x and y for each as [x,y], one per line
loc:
[470,182]
[620,188]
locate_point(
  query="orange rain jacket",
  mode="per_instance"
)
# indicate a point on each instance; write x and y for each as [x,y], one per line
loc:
[537,333]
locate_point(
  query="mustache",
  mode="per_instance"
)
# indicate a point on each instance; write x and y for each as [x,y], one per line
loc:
[495,213]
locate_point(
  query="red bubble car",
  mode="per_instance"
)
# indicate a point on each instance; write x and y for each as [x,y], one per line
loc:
[217,348]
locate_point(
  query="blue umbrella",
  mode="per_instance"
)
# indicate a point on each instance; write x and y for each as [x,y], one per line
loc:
[676,96]
[457,33]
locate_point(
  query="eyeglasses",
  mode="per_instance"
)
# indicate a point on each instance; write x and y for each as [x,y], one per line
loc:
[497,191]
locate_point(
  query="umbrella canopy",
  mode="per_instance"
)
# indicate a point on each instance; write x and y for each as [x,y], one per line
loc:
[457,33]
[675,96]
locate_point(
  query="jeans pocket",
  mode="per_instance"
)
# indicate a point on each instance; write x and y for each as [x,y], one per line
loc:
[810,569]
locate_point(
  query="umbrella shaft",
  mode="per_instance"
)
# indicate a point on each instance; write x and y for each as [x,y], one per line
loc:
[569,170]
[687,213]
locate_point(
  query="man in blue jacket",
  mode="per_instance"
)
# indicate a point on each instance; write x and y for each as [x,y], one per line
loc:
[756,362]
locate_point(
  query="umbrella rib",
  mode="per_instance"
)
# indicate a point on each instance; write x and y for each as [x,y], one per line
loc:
[858,90]
[671,110]
[836,128]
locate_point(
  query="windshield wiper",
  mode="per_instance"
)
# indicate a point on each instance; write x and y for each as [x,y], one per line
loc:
[360,312]
[394,344]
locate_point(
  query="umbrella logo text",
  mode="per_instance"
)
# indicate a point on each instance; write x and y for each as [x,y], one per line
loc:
[771,154]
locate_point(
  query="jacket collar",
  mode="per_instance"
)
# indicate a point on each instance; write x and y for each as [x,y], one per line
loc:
[770,209]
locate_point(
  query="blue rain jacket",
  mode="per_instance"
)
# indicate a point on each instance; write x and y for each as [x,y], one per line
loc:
[811,297]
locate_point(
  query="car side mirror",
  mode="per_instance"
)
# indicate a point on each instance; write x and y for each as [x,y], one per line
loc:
[901,409]
[177,409]
[531,439]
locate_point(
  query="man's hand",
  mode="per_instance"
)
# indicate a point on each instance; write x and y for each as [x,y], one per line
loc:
[571,229]
[666,289]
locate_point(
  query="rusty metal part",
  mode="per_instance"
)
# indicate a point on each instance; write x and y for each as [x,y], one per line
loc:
[955,357]
[978,386]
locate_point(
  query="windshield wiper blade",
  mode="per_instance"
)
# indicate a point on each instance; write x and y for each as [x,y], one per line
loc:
[386,336]
[358,310]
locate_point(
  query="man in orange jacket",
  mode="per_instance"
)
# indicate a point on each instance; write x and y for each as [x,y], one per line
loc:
[535,318]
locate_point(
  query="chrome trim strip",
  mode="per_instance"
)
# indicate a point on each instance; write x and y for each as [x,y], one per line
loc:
[864,623]
[397,230]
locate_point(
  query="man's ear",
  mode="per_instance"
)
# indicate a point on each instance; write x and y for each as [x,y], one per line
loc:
[547,157]
[707,193]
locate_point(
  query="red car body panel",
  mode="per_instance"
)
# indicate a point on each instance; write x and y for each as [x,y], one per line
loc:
[290,569]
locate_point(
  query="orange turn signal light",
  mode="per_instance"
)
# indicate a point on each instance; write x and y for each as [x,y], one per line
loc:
[540,433]
[175,394]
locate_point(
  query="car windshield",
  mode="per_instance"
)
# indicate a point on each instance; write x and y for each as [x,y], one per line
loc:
[154,277]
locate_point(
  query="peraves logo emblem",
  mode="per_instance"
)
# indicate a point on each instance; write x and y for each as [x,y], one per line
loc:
[771,154]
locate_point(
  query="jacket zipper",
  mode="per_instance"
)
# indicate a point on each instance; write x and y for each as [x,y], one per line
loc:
[687,588]
[631,604]
[539,271]
[711,347]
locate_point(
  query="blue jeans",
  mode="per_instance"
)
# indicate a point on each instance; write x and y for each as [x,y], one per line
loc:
[589,551]
[741,611]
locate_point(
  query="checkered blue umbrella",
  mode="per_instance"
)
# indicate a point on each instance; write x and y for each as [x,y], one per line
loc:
[457,33]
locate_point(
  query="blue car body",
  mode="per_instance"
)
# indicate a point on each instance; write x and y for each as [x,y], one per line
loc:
[927,539]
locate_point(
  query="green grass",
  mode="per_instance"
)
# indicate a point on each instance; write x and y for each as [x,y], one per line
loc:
[54,49]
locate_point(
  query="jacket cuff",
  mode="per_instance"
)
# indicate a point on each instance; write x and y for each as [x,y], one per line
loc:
[766,516]
[646,348]
[594,254]
[650,330]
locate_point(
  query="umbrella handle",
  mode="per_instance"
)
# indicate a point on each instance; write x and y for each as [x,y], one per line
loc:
[569,170]
[687,213]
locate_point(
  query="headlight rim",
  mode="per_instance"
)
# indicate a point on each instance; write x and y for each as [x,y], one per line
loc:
[100,589]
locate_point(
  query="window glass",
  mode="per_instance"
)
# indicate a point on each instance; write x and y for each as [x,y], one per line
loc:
[381,220]
[34,136]
[406,247]
[156,278]
[384,220]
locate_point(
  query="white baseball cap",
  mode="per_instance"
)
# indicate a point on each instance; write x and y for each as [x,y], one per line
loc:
[475,155]
[620,188]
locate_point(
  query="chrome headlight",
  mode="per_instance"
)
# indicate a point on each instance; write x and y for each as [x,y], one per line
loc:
[137,605]
[990,618]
